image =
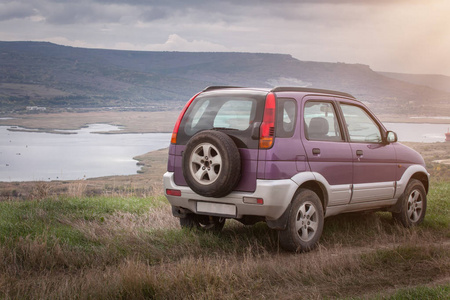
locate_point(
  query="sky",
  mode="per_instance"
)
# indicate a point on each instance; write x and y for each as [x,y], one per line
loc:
[405,36]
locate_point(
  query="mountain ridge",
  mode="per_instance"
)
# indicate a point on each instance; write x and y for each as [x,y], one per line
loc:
[435,81]
[55,76]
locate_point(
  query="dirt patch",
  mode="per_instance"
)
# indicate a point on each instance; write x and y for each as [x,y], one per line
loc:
[442,161]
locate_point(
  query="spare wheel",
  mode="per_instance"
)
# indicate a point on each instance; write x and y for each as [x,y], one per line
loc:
[211,164]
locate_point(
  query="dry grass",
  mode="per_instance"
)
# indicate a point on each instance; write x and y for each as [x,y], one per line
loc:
[121,247]
[36,268]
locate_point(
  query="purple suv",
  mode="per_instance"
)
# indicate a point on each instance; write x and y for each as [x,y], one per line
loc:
[290,157]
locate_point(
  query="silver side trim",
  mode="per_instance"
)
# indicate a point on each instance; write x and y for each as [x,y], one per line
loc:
[340,194]
[335,210]
[376,191]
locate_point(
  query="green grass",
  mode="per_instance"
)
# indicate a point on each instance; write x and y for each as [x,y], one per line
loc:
[422,292]
[438,210]
[47,217]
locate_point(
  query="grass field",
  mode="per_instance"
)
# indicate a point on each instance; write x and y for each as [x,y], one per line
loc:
[115,237]
[131,247]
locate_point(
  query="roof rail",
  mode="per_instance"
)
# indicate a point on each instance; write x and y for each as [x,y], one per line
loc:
[310,90]
[216,87]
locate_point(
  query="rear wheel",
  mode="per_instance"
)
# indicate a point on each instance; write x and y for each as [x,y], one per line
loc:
[206,223]
[305,223]
[413,204]
[211,164]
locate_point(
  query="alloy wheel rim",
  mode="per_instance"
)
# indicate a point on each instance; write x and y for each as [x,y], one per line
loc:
[306,222]
[205,163]
[415,206]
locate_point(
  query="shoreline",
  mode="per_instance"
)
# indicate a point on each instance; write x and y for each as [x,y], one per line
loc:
[142,122]
[129,122]
[58,131]
[414,119]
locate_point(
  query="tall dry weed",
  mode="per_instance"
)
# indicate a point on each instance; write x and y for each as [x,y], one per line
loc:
[77,189]
[41,190]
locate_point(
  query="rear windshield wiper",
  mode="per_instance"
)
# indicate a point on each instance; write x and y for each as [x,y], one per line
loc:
[223,128]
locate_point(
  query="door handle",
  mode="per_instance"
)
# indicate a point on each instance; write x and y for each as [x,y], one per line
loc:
[359,152]
[316,151]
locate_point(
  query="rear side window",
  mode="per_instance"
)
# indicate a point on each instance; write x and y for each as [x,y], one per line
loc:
[286,117]
[321,123]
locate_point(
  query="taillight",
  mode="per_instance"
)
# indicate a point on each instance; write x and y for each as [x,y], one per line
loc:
[267,130]
[173,140]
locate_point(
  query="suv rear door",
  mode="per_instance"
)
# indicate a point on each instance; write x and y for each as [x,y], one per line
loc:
[236,112]
[329,155]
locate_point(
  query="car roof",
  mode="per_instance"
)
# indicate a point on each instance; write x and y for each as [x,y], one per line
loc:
[282,89]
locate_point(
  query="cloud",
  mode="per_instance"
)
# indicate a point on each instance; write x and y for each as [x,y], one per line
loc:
[152,14]
[15,10]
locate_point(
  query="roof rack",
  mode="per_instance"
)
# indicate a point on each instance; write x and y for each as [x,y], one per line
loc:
[217,87]
[310,90]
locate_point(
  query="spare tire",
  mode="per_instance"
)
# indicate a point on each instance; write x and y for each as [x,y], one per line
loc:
[211,164]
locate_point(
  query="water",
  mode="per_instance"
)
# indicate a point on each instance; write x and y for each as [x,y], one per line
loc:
[28,156]
[419,132]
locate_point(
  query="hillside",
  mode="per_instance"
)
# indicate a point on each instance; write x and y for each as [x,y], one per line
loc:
[438,82]
[54,76]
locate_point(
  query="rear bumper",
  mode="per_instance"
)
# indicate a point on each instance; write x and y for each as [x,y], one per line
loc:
[276,195]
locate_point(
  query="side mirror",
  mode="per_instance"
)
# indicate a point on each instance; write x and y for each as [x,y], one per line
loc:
[391,137]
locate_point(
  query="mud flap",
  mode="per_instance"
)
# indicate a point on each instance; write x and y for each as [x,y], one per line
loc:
[281,222]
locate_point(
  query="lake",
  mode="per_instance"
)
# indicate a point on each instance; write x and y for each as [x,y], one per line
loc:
[418,132]
[29,156]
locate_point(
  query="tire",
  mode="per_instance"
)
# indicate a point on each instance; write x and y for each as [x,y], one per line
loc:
[413,204]
[205,223]
[305,223]
[211,164]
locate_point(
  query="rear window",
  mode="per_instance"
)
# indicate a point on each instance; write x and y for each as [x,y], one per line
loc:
[220,113]
[236,114]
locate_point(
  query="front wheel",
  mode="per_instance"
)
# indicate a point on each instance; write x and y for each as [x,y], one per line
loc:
[305,223]
[413,204]
[206,223]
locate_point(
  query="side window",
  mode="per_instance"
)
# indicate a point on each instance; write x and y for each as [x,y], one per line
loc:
[321,123]
[361,127]
[286,117]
